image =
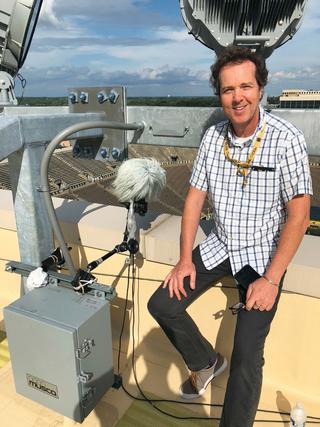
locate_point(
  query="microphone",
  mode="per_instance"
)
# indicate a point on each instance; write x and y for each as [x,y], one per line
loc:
[138,181]
[139,178]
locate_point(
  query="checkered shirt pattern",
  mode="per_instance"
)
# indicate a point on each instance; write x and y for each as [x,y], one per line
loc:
[247,221]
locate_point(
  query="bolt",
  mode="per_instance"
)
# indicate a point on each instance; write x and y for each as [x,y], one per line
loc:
[53,281]
[100,97]
[113,96]
[115,153]
[73,98]
[83,97]
[104,152]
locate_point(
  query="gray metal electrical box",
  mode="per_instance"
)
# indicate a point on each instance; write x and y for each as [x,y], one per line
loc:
[61,349]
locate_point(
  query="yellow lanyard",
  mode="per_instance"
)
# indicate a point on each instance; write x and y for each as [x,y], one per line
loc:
[243,167]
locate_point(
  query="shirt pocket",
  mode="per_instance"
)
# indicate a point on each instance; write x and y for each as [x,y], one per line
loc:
[262,192]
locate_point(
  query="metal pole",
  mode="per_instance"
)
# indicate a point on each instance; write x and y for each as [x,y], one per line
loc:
[33,230]
[23,142]
[44,168]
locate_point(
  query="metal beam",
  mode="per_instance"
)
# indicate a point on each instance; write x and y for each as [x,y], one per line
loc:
[24,140]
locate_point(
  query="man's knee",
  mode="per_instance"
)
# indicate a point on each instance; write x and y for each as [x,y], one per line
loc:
[160,305]
[153,305]
[156,305]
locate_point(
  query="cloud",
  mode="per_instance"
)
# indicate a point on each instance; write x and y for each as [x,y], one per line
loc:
[70,32]
[145,45]
[165,74]
[151,81]
[311,22]
[57,80]
[306,73]
[79,42]
[168,33]
[110,12]
[48,17]
[294,78]
[135,51]
[111,7]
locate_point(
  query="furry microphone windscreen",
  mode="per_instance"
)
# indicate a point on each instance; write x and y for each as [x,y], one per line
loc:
[138,179]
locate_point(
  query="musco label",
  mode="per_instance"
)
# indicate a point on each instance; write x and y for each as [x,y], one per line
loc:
[42,385]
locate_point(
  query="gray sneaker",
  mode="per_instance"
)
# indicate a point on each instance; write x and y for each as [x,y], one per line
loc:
[198,381]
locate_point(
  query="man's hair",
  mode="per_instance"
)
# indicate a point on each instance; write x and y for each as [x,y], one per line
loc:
[238,55]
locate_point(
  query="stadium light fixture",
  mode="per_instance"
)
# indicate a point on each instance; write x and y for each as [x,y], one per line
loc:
[18,19]
[261,25]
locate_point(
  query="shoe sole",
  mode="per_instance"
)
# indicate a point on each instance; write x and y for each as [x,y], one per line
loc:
[215,374]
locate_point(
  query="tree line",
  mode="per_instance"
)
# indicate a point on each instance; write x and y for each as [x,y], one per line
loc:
[165,101]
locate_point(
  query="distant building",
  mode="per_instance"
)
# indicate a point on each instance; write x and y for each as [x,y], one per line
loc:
[299,98]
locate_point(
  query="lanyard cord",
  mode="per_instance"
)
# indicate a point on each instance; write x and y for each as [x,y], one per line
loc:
[243,167]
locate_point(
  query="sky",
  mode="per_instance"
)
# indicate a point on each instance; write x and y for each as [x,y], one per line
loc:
[145,46]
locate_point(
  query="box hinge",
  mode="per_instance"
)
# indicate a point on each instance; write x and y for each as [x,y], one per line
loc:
[85,349]
[85,377]
[87,398]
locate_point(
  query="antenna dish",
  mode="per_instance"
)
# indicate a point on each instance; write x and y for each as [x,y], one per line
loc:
[261,25]
[18,20]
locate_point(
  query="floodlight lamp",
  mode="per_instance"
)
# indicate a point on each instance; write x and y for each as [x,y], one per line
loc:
[261,25]
[18,19]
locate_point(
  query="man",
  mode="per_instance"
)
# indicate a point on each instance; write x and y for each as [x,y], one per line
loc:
[254,166]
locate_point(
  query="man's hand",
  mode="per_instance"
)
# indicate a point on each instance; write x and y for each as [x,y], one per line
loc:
[261,295]
[174,279]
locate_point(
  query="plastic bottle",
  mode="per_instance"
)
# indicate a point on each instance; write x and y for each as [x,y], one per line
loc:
[297,416]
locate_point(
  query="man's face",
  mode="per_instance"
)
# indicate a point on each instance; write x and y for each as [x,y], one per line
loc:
[240,96]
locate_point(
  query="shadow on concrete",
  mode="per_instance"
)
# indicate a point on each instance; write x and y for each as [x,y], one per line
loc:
[155,343]
[283,405]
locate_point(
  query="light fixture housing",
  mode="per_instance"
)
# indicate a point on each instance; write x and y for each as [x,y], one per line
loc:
[18,20]
[261,25]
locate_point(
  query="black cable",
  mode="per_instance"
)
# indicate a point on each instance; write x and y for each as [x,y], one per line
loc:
[284,42]
[146,399]
[216,405]
[210,404]
[23,82]
[124,319]
[152,401]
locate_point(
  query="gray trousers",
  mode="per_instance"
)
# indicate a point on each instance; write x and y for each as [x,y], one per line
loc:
[245,380]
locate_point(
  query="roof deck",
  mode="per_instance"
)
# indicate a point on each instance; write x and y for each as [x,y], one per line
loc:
[292,350]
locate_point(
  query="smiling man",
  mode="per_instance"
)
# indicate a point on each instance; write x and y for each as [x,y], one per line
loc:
[254,167]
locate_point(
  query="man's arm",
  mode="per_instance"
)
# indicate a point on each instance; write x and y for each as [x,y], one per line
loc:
[262,294]
[189,226]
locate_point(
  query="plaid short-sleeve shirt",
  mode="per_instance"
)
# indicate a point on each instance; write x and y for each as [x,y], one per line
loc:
[247,221]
